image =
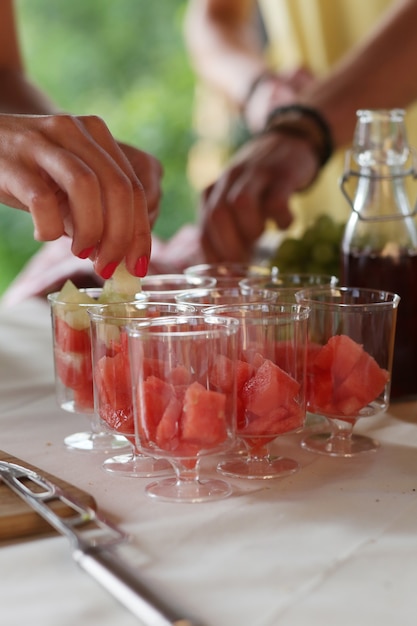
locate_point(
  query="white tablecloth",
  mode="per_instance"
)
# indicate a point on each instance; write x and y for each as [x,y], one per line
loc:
[335,543]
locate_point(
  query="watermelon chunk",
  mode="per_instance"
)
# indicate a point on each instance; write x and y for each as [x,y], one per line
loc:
[343,378]
[70,339]
[114,392]
[269,388]
[271,404]
[153,399]
[73,369]
[167,431]
[204,419]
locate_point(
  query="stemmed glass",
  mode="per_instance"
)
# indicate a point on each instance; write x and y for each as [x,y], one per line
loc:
[201,299]
[229,274]
[221,295]
[73,369]
[272,342]
[164,287]
[112,378]
[286,284]
[184,388]
[349,362]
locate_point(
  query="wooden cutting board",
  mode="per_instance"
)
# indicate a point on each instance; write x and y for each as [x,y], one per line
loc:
[18,520]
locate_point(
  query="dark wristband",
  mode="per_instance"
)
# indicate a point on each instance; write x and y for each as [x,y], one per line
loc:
[303,121]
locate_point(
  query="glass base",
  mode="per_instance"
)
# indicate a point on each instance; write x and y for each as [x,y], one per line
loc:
[259,468]
[201,490]
[331,445]
[137,466]
[96,442]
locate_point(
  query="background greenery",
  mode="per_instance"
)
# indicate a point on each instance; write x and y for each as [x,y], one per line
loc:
[124,60]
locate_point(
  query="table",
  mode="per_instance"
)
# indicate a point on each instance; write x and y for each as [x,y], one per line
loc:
[335,543]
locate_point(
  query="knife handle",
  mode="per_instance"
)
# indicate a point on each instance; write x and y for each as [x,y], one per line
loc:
[123,583]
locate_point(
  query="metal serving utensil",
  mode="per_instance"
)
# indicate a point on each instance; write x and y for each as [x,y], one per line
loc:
[92,540]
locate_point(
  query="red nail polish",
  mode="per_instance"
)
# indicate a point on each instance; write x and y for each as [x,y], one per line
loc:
[84,254]
[141,267]
[108,271]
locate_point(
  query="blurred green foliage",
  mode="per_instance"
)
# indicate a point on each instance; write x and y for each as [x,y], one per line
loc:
[124,60]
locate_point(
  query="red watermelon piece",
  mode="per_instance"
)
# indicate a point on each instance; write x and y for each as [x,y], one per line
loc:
[204,419]
[167,431]
[114,392]
[343,378]
[74,369]
[154,397]
[222,374]
[268,389]
[70,339]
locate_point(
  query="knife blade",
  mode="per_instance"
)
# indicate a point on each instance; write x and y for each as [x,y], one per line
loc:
[92,540]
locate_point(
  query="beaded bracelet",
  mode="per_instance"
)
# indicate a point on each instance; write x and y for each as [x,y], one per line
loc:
[303,121]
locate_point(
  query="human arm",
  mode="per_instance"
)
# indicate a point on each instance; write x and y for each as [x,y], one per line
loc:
[377,73]
[73,178]
[110,213]
[258,184]
[226,49]
[17,93]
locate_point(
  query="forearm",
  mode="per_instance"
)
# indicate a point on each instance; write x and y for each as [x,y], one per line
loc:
[377,74]
[19,95]
[224,45]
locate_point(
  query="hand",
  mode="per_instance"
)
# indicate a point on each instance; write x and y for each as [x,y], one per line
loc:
[73,178]
[255,187]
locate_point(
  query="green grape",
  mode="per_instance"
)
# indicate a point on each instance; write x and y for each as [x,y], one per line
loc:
[322,252]
[316,252]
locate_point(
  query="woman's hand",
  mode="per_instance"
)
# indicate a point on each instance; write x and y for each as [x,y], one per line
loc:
[73,178]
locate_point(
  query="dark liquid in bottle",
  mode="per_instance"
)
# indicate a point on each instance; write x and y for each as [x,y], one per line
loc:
[399,276]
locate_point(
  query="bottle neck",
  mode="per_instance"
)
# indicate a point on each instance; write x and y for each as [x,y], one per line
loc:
[381,193]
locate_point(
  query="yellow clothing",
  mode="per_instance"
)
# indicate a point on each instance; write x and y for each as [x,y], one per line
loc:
[315,34]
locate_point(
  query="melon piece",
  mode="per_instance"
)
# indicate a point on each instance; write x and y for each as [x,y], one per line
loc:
[343,378]
[121,287]
[70,311]
[153,398]
[114,392]
[167,431]
[70,339]
[204,417]
[268,389]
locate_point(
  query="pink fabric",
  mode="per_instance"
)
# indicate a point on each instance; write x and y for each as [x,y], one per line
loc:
[54,263]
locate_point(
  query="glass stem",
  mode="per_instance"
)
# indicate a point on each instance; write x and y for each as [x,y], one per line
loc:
[187,471]
[341,436]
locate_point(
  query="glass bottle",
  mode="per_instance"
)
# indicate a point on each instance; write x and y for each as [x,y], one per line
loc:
[379,247]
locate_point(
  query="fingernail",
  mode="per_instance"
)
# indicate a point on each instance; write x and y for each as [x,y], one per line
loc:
[84,254]
[108,271]
[141,267]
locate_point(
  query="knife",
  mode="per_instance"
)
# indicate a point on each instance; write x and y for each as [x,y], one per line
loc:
[93,540]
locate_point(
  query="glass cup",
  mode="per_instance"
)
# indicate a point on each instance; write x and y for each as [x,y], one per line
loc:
[286,284]
[229,274]
[112,379]
[216,296]
[164,287]
[184,388]
[272,349]
[349,363]
[73,369]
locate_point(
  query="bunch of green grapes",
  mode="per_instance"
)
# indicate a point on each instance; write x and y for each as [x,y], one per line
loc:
[316,252]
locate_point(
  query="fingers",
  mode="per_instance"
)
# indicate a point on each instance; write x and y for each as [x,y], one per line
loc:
[125,227]
[72,176]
